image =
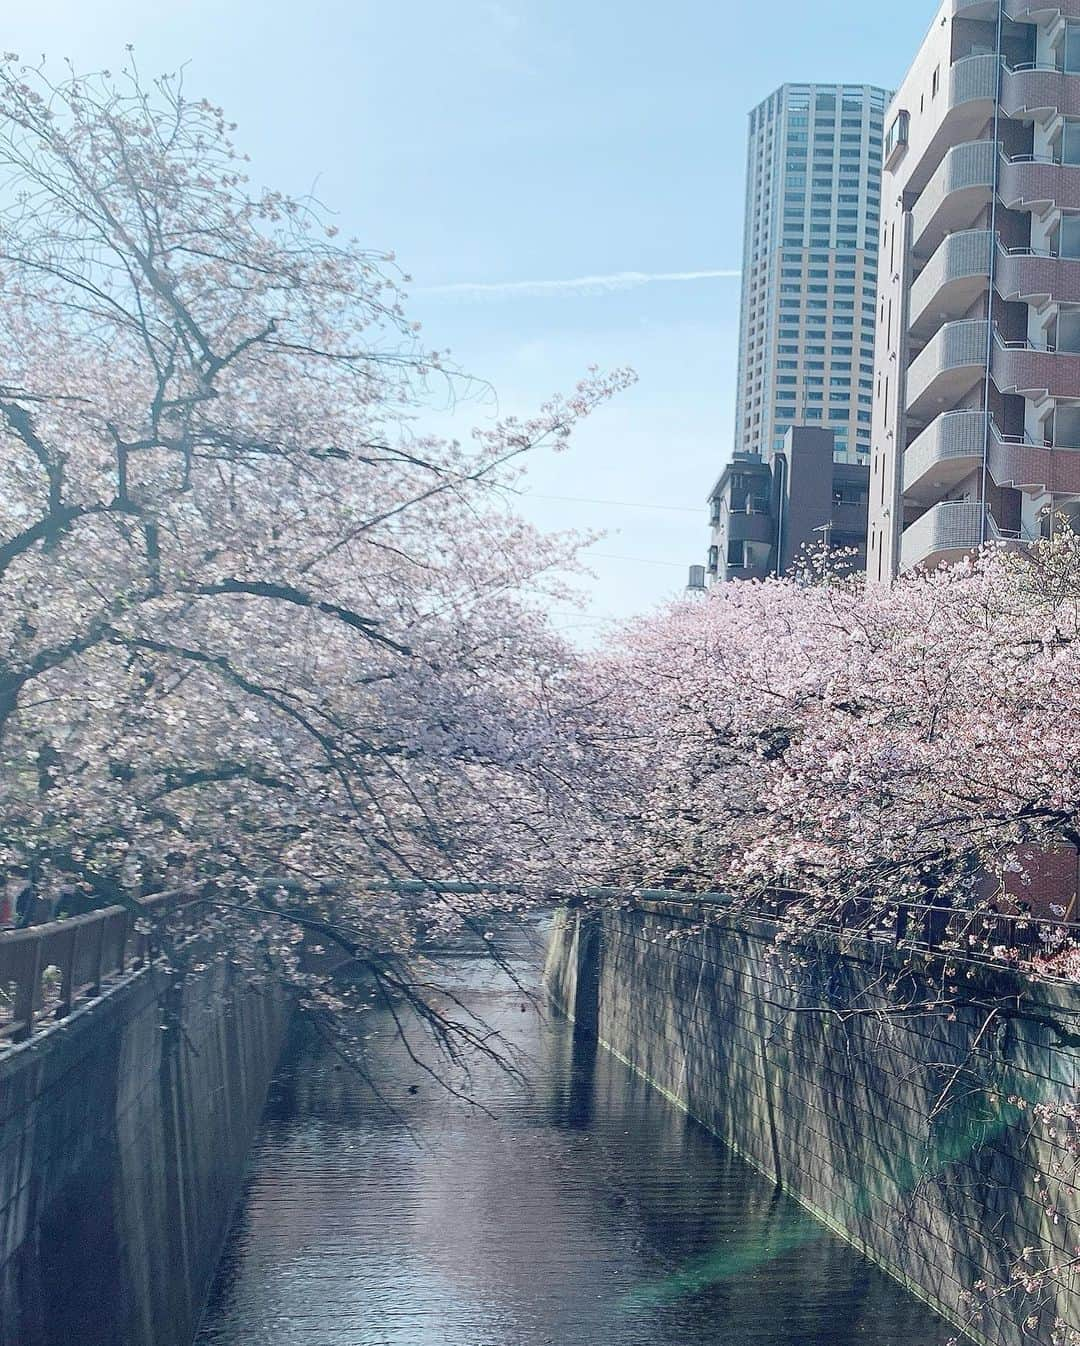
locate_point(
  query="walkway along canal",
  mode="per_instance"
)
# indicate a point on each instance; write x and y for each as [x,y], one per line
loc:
[581,1210]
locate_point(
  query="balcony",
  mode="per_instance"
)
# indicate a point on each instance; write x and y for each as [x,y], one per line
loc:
[849,519]
[1036,277]
[973,79]
[948,450]
[1030,182]
[1030,11]
[1022,11]
[1035,371]
[1025,465]
[749,525]
[759,571]
[966,103]
[952,280]
[944,533]
[952,363]
[1030,90]
[951,447]
[957,273]
[953,198]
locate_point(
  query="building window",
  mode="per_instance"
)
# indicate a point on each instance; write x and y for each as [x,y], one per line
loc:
[736,555]
[1066,335]
[1072,48]
[1070,142]
[897,139]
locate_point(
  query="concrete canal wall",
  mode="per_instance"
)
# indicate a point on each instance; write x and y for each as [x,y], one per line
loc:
[896,1130]
[123,1136]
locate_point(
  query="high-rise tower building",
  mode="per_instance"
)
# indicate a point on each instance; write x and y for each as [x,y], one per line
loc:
[977,398]
[810,267]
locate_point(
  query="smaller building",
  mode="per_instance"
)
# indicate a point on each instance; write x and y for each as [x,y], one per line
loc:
[765,515]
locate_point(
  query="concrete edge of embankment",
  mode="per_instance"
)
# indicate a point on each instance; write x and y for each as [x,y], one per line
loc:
[683,910]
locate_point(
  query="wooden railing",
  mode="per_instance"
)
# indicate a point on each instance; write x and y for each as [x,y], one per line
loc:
[48,971]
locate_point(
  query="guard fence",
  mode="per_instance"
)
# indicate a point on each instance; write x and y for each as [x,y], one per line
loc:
[49,971]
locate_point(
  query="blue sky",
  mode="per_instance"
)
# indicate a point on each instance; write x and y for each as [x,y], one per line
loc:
[494,142]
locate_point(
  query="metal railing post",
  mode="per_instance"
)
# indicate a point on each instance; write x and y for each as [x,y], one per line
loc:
[67,973]
[26,988]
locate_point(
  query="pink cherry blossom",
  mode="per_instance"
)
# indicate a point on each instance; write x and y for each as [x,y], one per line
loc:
[254,627]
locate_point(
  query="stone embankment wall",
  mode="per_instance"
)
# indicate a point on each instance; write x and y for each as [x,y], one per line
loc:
[123,1136]
[910,1134]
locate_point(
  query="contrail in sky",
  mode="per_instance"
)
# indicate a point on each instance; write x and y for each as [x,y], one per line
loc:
[581,285]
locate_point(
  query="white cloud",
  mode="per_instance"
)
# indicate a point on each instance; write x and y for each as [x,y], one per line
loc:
[580,285]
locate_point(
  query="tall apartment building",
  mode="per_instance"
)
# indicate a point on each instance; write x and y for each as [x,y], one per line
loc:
[806,341]
[977,397]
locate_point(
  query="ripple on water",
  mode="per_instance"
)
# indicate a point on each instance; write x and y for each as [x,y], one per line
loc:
[584,1211]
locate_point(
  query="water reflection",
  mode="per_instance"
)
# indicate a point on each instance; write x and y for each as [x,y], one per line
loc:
[584,1211]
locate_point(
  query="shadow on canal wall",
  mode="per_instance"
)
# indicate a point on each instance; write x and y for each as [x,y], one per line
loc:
[902,1132]
[123,1137]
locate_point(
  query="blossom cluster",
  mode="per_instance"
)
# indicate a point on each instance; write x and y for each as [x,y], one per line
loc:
[889,747]
[254,627]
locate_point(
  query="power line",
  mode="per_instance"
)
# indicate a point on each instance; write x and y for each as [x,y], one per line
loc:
[642,560]
[621,504]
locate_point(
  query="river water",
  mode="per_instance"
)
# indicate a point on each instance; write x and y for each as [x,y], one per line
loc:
[580,1210]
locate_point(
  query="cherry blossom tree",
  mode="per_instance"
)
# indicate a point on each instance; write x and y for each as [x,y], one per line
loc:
[255,628]
[899,744]
[843,758]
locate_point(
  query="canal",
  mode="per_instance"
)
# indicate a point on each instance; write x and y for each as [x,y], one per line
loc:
[578,1209]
